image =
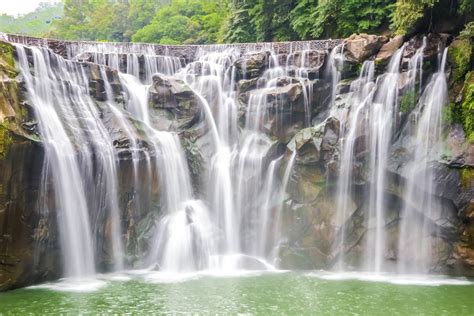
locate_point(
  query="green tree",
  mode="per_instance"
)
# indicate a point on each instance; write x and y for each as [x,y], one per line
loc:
[140,13]
[408,12]
[302,17]
[185,21]
[239,27]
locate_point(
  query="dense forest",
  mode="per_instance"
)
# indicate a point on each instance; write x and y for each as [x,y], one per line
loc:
[218,21]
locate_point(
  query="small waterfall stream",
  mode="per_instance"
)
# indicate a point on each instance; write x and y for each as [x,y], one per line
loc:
[362,90]
[415,245]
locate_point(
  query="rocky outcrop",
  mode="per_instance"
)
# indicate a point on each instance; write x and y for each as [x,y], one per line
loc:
[388,49]
[252,65]
[359,47]
[308,212]
[173,104]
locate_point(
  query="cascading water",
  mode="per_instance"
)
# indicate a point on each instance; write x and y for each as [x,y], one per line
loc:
[334,69]
[415,243]
[181,241]
[240,165]
[373,115]
[380,119]
[235,223]
[66,120]
[362,92]
[140,61]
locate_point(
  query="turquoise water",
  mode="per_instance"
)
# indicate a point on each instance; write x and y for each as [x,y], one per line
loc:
[288,293]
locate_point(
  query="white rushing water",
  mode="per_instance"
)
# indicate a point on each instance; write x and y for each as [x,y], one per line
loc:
[66,119]
[235,221]
[381,119]
[362,93]
[417,229]
[373,117]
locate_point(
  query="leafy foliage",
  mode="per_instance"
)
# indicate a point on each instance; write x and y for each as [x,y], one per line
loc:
[408,12]
[238,27]
[214,21]
[467,107]
[184,21]
[408,101]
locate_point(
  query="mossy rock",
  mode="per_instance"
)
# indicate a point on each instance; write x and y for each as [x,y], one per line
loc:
[467,178]
[8,97]
[459,56]
[467,107]
[7,59]
[5,138]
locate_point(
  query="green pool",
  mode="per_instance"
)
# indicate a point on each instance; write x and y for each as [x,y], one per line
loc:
[289,293]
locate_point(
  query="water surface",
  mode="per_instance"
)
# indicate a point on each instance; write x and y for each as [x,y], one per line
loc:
[277,293]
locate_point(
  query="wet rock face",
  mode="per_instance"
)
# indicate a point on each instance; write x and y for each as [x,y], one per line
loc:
[309,63]
[28,248]
[317,150]
[433,44]
[252,65]
[29,251]
[464,250]
[308,212]
[174,99]
[96,81]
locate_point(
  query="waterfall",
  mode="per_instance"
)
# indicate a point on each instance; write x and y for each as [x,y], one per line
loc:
[234,222]
[72,131]
[140,61]
[381,119]
[372,118]
[335,68]
[420,210]
[241,167]
[182,241]
[182,234]
[362,91]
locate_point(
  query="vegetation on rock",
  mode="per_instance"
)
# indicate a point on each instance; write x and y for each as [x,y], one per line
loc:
[467,107]
[460,52]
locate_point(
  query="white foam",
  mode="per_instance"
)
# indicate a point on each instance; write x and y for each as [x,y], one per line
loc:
[73,285]
[422,280]
[168,277]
